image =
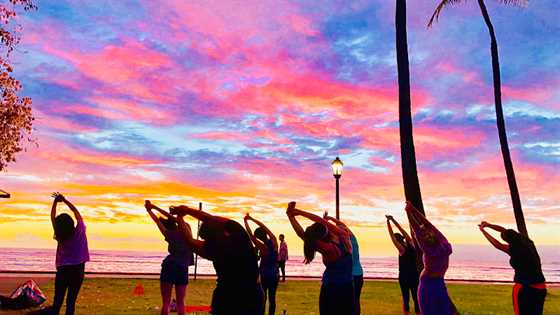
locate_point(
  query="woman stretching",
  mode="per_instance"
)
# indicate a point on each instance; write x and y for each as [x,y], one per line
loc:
[266,243]
[71,255]
[226,243]
[357,270]
[333,243]
[175,267]
[529,291]
[432,292]
[408,271]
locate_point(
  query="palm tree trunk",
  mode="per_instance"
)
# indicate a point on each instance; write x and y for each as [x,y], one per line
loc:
[500,122]
[408,155]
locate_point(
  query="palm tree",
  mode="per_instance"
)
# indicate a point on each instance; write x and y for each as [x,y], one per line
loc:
[408,155]
[516,200]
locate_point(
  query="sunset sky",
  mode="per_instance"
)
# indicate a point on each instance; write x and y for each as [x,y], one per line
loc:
[242,105]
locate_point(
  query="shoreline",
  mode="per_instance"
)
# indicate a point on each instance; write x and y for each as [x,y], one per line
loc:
[155,276]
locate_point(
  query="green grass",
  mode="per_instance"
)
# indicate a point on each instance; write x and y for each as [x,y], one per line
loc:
[114,296]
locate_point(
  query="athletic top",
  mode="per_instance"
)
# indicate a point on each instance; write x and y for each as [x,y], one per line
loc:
[339,271]
[283,251]
[234,257]
[179,251]
[74,250]
[436,256]
[407,261]
[525,260]
[356,265]
[268,267]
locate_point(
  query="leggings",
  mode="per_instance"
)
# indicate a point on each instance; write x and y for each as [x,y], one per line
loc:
[433,297]
[336,299]
[245,299]
[528,300]
[68,278]
[358,284]
[282,266]
[269,287]
[409,287]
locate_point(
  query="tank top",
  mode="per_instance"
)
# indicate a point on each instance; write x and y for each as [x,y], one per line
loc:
[525,260]
[407,262]
[179,251]
[269,263]
[340,270]
[357,269]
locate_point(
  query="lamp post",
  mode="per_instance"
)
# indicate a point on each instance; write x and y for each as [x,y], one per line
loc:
[337,172]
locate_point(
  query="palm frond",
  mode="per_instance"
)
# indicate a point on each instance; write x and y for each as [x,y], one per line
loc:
[445,3]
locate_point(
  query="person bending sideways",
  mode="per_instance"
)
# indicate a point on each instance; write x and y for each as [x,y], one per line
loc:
[357,270]
[432,292]
[529,290]
[333,243]
[226,243]
[282,256]
[265,241]
[408,271]
[71,255]
[175,267]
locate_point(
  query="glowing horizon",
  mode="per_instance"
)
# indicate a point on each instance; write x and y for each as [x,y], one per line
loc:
[244,108]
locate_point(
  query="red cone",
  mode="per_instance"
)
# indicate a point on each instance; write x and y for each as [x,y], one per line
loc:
[138,290]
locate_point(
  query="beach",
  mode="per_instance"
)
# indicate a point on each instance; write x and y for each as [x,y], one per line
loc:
[109,294]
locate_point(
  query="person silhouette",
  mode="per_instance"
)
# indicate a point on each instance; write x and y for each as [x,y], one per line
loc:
[282,256]
[265,241]
[408,270]
[226,243]
[433,297]
[529,290]
[175,267]
[357,270]
[333,243]
[72,253]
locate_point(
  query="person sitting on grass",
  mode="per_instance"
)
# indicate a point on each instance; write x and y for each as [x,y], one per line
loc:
[408,269]
[529,290]
[333,243]
[175,267]
[226,243]
[71,255]
[432,292]
[265,241]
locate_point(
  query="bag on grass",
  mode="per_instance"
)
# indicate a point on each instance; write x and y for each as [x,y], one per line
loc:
[25,296]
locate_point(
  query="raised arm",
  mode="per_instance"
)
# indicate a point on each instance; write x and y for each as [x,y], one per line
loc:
[497,244]
[332,228]
[195,245]
[195,213]
[258,243]
[57,199]
[149,207]
[494,227]
[291,213]
[268,232]
[337,222]
[403,231]
[393,238]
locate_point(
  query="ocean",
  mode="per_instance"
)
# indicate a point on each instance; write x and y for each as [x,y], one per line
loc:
[469,262]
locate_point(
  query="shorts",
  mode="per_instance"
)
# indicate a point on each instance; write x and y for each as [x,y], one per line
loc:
[174,273]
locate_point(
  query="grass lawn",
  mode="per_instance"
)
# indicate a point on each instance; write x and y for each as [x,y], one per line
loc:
[114,296]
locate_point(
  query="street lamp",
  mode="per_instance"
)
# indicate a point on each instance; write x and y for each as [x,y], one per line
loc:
[337,172]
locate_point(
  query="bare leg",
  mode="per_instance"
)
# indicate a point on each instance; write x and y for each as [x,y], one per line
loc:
[180,292]
[166,289]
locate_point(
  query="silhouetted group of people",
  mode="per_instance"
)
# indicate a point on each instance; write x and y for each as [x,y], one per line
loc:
[248,263]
